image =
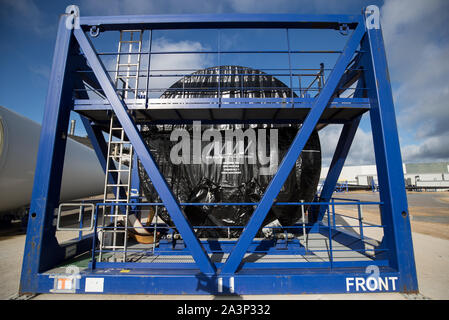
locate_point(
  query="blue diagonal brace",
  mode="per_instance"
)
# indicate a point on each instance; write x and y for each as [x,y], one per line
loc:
[159,182]
[254,224]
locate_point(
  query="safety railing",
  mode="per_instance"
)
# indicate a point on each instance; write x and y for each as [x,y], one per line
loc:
[309,83]
[267,72]
[332,242]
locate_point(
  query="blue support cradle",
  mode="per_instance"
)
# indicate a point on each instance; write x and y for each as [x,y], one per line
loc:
[224,266]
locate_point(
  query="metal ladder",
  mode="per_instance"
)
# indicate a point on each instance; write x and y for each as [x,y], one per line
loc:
[117,189]
[119,162]
[128,63]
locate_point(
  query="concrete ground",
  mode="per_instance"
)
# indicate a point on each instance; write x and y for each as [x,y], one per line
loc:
[430,240]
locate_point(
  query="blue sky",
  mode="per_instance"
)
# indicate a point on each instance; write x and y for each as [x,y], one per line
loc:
[415,32]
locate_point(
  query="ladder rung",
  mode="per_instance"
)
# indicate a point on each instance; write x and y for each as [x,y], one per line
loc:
[116,200]
[119,156]
[130,41]
[115,215]
[119,142]
[117,185]
[127,64]
[118,170]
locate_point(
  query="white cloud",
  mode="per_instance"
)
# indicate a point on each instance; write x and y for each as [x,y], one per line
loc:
[361,151]
[117,7]
[296,6]
[176,61]
[431,149]
[417,44]
[416,38]
[166,62]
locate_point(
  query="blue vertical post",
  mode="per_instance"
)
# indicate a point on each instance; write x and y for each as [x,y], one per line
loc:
[94,238]
[41,248]
[394,211]
[81,217]
[333,213]
[360,218]
[329,230]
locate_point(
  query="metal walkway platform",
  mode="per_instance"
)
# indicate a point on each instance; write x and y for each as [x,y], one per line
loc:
[167,111]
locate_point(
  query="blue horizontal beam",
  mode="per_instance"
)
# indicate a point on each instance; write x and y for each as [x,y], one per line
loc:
[207,21]
[112,53]
[244,203]
[259,281]
[246,265]
[239,121]
[214,103]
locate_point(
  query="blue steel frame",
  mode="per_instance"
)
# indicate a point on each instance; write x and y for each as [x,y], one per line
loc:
[42,251]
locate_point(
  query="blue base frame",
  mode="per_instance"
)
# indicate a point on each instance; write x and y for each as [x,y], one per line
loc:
[43,252]
[191,281]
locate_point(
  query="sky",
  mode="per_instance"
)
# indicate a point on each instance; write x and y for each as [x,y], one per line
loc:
[416,38]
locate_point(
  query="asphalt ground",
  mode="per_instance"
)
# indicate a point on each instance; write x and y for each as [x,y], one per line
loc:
[429,213]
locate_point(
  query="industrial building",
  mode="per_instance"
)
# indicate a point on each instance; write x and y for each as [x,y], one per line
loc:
[430,176]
